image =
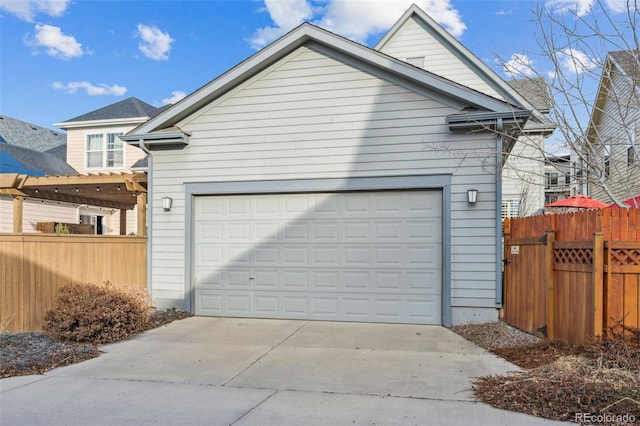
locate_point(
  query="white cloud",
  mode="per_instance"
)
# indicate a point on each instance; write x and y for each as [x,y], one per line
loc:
[575,62]
[55,42]
[503,12]
[285,14]
[579,7]
[28,9]
[176,96]
[519,66]
[91,89]
[155,44]
[353,19]
[583,7]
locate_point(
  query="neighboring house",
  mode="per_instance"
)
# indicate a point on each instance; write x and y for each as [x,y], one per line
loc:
[524,175]
[94,146]
[614,129]
[321,179]
[419,40]
[35,151]
[557,178]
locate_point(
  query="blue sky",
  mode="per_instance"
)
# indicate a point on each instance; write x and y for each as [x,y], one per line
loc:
[61,59]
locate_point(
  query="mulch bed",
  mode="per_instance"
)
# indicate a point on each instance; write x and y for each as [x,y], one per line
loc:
[34,353]
[597,383]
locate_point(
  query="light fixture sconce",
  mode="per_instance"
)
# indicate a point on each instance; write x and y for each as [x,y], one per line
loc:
[166,203]
[472,196]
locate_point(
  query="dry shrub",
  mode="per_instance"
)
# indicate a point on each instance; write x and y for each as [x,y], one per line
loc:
[98,313]
[602,377]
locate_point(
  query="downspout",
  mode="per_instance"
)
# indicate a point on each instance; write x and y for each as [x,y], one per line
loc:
[144,148]
[499,129]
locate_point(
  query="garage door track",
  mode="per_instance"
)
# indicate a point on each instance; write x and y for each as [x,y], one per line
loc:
[224,371]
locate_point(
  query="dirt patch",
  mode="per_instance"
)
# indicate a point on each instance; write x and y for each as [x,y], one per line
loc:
[34,353]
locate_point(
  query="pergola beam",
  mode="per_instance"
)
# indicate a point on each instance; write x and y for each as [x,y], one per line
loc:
[79,199]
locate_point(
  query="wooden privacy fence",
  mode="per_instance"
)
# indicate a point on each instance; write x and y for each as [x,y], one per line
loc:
[33,267]
[575,275]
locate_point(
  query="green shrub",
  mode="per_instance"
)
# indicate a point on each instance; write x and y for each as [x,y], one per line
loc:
[98,313]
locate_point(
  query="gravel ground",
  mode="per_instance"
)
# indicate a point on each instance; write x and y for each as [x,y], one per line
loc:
[495,335]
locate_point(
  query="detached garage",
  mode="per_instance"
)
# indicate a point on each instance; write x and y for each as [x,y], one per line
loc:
[324,180]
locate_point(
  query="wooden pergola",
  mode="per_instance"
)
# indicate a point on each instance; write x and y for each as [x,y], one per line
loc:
[121,191]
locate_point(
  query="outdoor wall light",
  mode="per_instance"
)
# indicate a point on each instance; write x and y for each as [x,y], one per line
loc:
[166,203]
[472,196]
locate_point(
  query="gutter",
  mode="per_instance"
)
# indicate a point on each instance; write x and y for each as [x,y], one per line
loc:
[487,120]
[498,206]
[503,124]
[148,141]
[144,148]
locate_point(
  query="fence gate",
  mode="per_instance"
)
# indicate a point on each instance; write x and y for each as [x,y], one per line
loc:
[525,284]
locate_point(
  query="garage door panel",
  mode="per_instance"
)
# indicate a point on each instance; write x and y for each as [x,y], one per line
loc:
[385,308]
[370,256]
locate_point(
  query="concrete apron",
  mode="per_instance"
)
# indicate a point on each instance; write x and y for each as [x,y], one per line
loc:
[248,371]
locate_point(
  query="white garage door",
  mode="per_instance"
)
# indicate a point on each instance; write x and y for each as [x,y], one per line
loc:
[355,256]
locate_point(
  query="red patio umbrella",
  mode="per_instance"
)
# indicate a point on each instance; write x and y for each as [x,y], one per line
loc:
[579,202]
[631,202]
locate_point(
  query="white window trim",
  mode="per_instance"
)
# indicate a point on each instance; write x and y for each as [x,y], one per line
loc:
[104,134]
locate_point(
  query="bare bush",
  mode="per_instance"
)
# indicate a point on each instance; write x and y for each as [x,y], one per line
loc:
[98,313]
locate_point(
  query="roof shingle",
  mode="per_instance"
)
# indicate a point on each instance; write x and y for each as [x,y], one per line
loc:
[128,108]
[27,135]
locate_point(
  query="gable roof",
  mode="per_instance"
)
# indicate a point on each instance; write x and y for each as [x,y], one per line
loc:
[26,135]
[467,57]
[321,40]
[626,62]
[130,108]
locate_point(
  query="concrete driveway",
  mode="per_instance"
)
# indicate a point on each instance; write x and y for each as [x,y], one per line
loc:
[226,371]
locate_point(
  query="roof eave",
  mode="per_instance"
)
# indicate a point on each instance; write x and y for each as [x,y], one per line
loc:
[101,123]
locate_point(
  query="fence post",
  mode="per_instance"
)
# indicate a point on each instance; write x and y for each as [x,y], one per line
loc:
[598,283]
[506,291]
[549,278]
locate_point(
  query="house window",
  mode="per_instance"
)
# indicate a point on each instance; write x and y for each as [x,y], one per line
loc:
[105,150]
[551,180]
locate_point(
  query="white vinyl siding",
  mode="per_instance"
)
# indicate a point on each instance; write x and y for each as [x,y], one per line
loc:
[523,175]
[414,41]
[523,172]
[310,116]
[620,112]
